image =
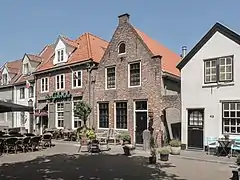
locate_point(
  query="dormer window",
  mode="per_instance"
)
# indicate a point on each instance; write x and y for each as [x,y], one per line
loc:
[122,48]
[25,69]
[4,79]
[60,55]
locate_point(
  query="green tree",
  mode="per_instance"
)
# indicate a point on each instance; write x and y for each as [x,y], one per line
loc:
[82,110]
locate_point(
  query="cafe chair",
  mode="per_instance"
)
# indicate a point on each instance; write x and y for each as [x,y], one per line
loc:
[212,143]
[235,146]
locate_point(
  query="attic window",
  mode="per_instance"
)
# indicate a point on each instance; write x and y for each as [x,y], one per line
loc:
[25,69]
[60,55]
[122,48]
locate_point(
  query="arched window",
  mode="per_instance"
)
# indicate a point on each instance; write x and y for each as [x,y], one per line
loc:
[121,48]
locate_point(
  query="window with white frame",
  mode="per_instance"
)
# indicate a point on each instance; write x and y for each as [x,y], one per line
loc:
[4,79]
[103,115]
[122,48]
[60,82]
[77,79]
[111,77]
[121,115]
[231,117]
[44,84]
[60,114]
[30,92]
[77,122]
[25,69]
[22,93]
[60,55]
[134,74]
[218,70]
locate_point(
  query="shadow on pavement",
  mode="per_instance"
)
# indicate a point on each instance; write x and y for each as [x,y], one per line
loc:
[78,167]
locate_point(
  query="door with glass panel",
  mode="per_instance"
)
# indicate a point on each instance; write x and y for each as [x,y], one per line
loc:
[195,128]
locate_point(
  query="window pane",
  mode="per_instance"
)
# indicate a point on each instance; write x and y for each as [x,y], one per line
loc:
[141,105]
[103,115]
[111,77]
[226,106]
[135,74]
[121,115]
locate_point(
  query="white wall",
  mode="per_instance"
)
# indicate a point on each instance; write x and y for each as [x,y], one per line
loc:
[17,100]
[194,95]
[67,51]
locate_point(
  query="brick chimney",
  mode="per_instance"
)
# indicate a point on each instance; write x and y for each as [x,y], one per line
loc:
[124,18]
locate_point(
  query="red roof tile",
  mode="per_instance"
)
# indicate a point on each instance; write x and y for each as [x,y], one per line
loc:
[14,66]
[34,57]
[88,46]
[169,58]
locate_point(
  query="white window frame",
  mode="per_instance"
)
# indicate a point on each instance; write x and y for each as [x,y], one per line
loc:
[236,111]
[60,88]
[60,55]
[44,80]
[26,69]
[29,91]
[24,93]
[77,85]
[98,113]
[119,46]
[140,75]
[56,115]
[73,117]
[115,117]
[4,81]
[106,77]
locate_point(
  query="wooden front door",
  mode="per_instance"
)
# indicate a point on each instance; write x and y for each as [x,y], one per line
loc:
[141,125]
[195,128]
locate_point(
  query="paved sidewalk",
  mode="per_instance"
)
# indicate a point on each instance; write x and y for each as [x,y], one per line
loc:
[190,155]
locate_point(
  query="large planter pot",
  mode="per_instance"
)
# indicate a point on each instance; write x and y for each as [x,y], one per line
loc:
[164,157]
[152,160]
[126,151]
[175,150]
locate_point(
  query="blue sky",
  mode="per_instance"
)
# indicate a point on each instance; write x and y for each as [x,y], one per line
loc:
[27,25]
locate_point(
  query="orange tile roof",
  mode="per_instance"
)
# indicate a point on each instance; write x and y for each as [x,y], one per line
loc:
[88,46]
[33,57]
[169,58]
[14,66]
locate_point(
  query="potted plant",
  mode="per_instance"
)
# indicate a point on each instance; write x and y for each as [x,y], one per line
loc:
[175,146]
[226,136]
[126,138]
[164,153]
[152,158]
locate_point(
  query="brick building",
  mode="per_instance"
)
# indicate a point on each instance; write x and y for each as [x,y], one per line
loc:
[133,78]
[65,78]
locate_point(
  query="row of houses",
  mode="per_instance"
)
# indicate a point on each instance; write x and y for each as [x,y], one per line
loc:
[127,80]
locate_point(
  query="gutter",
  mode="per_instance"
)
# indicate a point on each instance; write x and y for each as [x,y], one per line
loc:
[62,67]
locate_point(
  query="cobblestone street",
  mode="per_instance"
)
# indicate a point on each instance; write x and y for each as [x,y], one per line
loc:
[63,163]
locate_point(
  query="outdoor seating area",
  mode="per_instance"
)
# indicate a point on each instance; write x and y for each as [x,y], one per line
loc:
[223,146]
[14,142]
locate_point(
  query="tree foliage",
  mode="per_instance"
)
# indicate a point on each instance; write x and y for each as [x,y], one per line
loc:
[82,110]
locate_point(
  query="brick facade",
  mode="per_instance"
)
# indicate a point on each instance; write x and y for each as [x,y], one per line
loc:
[77,93]
[151,77]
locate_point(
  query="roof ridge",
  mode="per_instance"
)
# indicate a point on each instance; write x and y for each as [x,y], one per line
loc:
[97,37]
[89,46]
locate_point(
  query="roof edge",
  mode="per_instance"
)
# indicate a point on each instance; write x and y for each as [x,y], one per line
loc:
[218,27]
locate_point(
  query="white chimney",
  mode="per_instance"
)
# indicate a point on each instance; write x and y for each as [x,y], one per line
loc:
[184,51]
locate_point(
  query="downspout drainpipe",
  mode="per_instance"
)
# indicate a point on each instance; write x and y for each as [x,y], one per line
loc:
[89,69]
